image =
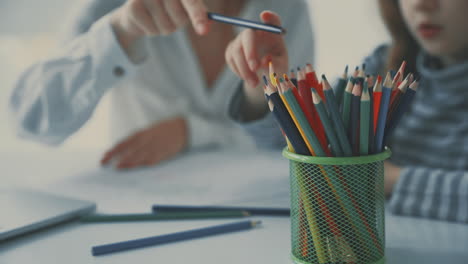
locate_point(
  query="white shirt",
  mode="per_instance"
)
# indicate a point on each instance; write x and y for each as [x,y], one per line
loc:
[55,97]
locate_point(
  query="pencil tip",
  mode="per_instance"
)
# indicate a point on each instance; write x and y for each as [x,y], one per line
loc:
[324,77]
[255,223]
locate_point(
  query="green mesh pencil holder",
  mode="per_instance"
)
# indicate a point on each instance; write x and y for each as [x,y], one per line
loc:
[337,209]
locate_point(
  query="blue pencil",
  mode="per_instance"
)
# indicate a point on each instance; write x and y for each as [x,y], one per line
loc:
[406,100]
[382,117]
[246,23]
[285,121]
[174,237]
[213,208]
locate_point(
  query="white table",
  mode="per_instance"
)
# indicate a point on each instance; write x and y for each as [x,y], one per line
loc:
[219,178]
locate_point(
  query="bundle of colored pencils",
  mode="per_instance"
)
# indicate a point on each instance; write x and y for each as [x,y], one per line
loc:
[354,119]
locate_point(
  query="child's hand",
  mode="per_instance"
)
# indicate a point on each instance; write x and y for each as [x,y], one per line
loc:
[138,18]
[150,146]
[249,53]
[392,174]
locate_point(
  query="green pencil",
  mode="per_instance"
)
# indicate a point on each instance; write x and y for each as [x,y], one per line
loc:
[347,104]
[331,135]
[100,218]
[340,87]
[364,123]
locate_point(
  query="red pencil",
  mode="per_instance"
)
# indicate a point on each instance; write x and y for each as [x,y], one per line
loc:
[377,96]
[316,124]
[311,77]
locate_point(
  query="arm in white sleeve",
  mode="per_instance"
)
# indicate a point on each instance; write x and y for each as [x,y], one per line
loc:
[55,97]
[431,193]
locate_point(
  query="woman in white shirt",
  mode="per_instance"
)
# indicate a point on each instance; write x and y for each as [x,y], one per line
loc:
[170,87]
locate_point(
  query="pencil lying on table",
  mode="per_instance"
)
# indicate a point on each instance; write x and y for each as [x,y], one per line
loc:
[160,208]
[174,237]
[96,218]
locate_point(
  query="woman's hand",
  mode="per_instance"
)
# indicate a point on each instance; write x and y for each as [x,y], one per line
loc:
[150,146]
[138,18]
[250,52]
[392,174]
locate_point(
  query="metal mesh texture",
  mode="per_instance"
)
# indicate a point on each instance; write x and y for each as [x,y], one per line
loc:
[337,213]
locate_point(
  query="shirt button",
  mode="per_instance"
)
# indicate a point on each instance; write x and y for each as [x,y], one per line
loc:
[119,71]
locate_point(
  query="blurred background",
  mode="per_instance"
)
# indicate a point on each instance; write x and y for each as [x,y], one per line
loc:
[31,29]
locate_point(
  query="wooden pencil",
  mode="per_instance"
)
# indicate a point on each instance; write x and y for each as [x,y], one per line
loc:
[377,97]
[354,118]
[338,125]
[383,111]
[174,237]
[286,121]
[364,123]
[107,218]
[347,104]
[330,132]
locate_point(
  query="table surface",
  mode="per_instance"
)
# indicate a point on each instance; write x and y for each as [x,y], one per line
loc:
[197,178]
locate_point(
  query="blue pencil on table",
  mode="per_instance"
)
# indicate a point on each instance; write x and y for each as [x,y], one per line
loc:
[382,117]
[271,211]
[174,237]
[246,23]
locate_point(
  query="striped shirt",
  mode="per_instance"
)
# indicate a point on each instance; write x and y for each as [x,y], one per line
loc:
[431,143]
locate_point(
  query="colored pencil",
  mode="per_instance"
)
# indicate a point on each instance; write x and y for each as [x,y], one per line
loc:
[314,119]
[330,132]
[273,211]
[371,118]
[401,70]
[398,91]
[246,23]
[309,134]
[364,123]
[309,117]
[383,110]
[174,237]
[338,125]
[271,72]
[356,72]
[354,118]
[406,100]
[296,121]
[292,77]
[99,218]
[311,76]
[287,123]
[377,97]
[347,104]
[340,87]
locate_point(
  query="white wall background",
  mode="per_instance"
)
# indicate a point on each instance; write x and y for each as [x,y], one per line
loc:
[345,32]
